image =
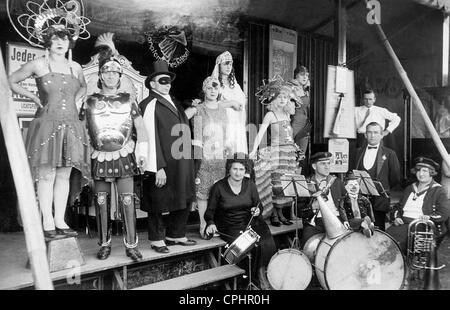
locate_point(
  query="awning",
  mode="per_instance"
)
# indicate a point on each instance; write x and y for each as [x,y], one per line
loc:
[443,5]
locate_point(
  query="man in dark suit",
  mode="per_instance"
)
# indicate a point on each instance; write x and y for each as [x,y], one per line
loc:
[308,207]
[168,184]
[382,165]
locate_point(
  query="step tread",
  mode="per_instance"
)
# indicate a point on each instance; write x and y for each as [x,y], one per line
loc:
[196,279]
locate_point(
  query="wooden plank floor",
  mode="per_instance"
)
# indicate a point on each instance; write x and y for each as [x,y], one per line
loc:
[13,257]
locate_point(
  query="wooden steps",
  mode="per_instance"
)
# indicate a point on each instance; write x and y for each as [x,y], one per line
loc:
[197,279]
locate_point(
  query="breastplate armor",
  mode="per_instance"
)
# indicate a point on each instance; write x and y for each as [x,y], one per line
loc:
[109,121]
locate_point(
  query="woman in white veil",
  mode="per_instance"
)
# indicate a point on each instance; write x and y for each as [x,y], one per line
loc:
[232,94]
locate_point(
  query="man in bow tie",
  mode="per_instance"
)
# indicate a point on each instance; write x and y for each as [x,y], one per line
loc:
[382,164]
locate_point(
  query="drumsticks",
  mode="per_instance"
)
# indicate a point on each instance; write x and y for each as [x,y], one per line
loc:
[253,215]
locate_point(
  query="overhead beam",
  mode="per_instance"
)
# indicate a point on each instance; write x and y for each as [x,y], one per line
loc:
[331,18]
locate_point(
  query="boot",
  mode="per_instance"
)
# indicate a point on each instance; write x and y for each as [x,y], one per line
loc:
[366,226]
[128,211]
[102,213]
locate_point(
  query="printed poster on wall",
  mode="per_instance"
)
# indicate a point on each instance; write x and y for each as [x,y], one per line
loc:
[17,55]
[339,148]
[282,52]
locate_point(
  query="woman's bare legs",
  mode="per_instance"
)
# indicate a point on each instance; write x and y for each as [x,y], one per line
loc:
[45,196]
[60,195]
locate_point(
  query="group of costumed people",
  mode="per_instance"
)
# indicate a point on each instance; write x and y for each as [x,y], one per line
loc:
[96,142]
[94,135]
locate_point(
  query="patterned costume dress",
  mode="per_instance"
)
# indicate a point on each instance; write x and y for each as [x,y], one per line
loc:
[275,161]
[56,137]
[210,131]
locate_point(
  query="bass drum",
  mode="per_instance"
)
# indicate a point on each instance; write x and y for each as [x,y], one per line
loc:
[355,262]
[289,269]
[311,245]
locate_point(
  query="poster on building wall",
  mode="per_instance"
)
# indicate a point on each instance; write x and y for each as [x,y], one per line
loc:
[282,52]
[339,148]
[17,55]
[340,104]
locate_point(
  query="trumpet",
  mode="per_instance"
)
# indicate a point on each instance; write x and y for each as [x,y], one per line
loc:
[421,251]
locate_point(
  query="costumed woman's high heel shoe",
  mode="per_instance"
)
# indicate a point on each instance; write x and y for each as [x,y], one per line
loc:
[282,218]
[104,252]
[134,254]
[274,221]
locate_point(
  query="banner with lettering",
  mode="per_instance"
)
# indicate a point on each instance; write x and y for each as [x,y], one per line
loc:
[17,55]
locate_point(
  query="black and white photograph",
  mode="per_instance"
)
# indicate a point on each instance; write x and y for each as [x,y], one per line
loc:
[222,151]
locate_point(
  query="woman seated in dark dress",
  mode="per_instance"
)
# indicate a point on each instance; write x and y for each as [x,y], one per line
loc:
[425,199]
[232,202]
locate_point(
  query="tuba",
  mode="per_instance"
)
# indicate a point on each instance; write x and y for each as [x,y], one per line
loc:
[421,251]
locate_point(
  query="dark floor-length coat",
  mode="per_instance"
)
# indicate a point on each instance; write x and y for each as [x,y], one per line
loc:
[170,149]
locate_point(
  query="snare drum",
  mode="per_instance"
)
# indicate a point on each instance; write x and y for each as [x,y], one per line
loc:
[289,269]
[355,262]
[241,246]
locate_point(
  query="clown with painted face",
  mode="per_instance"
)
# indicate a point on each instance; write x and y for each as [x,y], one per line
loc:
[111,117]
[355,210]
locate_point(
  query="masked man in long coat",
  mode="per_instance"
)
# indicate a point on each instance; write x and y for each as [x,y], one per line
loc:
[169,176]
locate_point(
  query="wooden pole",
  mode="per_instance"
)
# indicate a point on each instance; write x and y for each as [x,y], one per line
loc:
[29,212]
[415,98]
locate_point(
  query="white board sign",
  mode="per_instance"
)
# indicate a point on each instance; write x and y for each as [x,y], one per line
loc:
[339,148]
[340,107]
[17,55]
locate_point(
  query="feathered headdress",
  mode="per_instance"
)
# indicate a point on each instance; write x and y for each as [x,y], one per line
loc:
[108,59]
[270,89]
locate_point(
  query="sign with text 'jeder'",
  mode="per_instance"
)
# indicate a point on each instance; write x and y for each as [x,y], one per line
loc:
[17,55]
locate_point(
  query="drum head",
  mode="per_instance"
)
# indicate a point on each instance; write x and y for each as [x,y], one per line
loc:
[289,269]
[241,246]
[356,262]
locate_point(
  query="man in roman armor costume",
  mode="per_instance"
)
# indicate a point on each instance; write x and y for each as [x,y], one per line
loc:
[111,115]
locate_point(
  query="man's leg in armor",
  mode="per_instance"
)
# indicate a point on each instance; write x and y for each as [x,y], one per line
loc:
[102,213]
[128,211]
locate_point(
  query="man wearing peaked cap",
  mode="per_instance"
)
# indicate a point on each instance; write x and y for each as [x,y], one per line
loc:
[169,173]
[308,207]
[320,156]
